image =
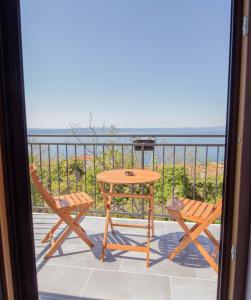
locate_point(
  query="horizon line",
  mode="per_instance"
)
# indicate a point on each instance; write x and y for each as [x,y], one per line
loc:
[131,128]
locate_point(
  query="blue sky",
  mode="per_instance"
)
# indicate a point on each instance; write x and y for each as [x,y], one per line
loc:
[132,63]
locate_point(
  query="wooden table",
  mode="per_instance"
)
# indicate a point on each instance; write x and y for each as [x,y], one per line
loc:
[118,177]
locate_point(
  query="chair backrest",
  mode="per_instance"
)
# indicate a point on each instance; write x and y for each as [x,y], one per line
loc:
[41,189]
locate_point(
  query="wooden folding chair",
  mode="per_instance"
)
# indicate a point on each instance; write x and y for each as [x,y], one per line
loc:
[203,214]
[63,206]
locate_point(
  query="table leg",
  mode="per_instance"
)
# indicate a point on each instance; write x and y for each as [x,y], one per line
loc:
[152,208]
[148,234]
[110,217]
[107,220]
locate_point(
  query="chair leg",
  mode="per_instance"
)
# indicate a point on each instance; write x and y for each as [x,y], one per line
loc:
[191,230]
[206,255]
[148,233]
[212,238]
[58,242]
[191,237]
[72,226]
[49,235]
[186,240]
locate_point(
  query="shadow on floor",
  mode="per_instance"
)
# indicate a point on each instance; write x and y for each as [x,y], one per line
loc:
[190,256]
[54,296]
[161,245]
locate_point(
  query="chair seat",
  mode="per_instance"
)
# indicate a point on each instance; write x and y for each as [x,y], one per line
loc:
[194,210]
[73,201]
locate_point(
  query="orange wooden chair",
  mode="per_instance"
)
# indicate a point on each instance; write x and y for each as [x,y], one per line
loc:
[202,214]
[63,206]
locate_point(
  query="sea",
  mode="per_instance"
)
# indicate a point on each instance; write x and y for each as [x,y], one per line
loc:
[214,153]
[134,131]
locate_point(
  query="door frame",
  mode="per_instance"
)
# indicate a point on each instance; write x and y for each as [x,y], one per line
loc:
[13,145]
[236,227]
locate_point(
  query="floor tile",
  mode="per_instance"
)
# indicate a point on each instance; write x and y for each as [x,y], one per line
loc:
[74,252]
[157,267]
[206,273]
[193,289]
[119,285]
[62,281]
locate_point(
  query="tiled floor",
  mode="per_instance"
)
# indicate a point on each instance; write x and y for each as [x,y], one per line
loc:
[75,272]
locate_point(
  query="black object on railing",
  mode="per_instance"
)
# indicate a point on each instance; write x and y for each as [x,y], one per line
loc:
[144,144]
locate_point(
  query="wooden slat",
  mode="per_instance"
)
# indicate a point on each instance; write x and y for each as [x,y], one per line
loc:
[194,208]
[185,201]
[201,209]
[126,247]
[69,198]
[129,225]
[207,211]
[64,197]
[62,202]
[74,199]
[188,206]
[86,197]
[78,200]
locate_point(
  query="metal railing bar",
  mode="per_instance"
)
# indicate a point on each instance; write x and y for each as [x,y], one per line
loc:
[58,177]
[76,167]
[132,156]
[49,167]
[103,156]
[194,174]
[122,154]
[40,163]
[205,180]
[216,175]
[32,161]
[113,158]
[94,170]
[131,187]
[31,147]
[85,169]
[131,144]
[142,157]
[184,172]
[163,178]
[153,158]
[173,175]
[130,135]
[67,168]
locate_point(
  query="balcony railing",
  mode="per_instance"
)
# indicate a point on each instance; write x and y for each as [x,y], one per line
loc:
[190,166]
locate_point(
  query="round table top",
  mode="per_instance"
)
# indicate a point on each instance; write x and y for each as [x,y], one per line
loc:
[119,177]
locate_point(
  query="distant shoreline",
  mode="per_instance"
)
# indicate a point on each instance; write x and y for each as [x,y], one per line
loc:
[132,129]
